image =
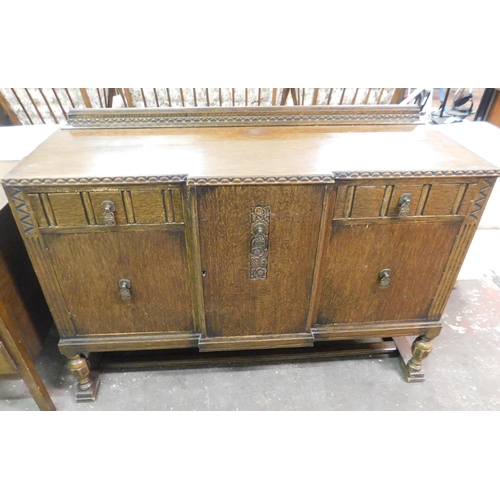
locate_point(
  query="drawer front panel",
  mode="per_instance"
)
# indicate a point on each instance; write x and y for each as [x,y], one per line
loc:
[384,199]
[7,366]
[383,272]
[109,207]
[89,268]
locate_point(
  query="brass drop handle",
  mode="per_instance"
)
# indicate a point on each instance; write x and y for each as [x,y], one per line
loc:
[404,205]
[108,210]
[125,289]
[385,278]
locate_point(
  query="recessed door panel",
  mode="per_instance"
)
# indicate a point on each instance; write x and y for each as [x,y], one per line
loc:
[258,282]
[383,272]
[89,268]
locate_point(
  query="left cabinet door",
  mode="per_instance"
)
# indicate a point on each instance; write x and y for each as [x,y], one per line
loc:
[89,267]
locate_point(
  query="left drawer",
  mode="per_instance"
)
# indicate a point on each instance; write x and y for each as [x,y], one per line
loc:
[88,208]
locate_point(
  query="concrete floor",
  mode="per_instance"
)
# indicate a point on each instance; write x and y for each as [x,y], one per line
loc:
[463,373]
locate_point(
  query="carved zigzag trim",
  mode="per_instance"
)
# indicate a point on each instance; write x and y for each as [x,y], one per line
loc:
[478,204]
[20,205]
[95,180]
[417,173]
[310,179]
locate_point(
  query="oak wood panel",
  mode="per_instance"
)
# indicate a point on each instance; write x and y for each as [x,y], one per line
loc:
[374,330]
[67,208]
[194,258]
[430,197]
[441,199]
[129,228]
[177,205]
[329,199]
[415,252]
[148,207]
[252,151]
[71,346]
[154,262]
[367,201]
[235,305]
[256,342]
[36,205]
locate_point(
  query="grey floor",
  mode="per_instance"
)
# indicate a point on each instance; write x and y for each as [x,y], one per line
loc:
[463,373]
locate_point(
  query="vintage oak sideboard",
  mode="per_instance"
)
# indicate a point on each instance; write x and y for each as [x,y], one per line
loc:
[238,229]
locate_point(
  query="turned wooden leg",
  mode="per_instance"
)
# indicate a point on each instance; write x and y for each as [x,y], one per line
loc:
[420,349]
[88,382]
[413,350]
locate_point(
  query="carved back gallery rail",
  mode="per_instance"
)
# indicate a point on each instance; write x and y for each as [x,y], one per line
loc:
[28,106]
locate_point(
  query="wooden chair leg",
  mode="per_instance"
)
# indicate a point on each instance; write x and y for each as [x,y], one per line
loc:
[26,370]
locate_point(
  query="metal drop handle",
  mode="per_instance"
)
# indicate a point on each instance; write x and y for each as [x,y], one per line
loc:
[404,205]
[125,286]
[108,210]
[385,278]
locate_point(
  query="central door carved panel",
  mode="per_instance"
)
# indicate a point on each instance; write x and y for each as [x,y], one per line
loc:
[258,247]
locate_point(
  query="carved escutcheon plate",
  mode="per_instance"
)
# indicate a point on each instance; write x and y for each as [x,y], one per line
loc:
[259,245]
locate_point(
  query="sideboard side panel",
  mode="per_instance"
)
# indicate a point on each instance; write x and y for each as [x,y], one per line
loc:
[479,199]
[39,256]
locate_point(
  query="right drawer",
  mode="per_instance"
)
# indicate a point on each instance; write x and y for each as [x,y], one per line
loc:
[375,199]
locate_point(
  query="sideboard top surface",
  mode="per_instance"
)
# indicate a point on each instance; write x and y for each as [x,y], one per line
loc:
[327,152]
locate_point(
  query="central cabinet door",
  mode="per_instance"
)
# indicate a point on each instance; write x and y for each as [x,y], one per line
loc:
[258,247]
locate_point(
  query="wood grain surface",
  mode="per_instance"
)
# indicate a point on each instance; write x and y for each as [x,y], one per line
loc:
[415,252]
[252,151]
[234,304]
[89,267]
[381,198]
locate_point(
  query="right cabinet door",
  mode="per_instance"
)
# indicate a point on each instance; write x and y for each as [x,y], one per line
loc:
[376,271]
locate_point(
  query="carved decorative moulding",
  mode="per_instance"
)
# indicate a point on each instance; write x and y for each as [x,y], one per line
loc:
[21,208]
[303,179]
[413,173]
[95,180]
[237,116]
[478,204]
